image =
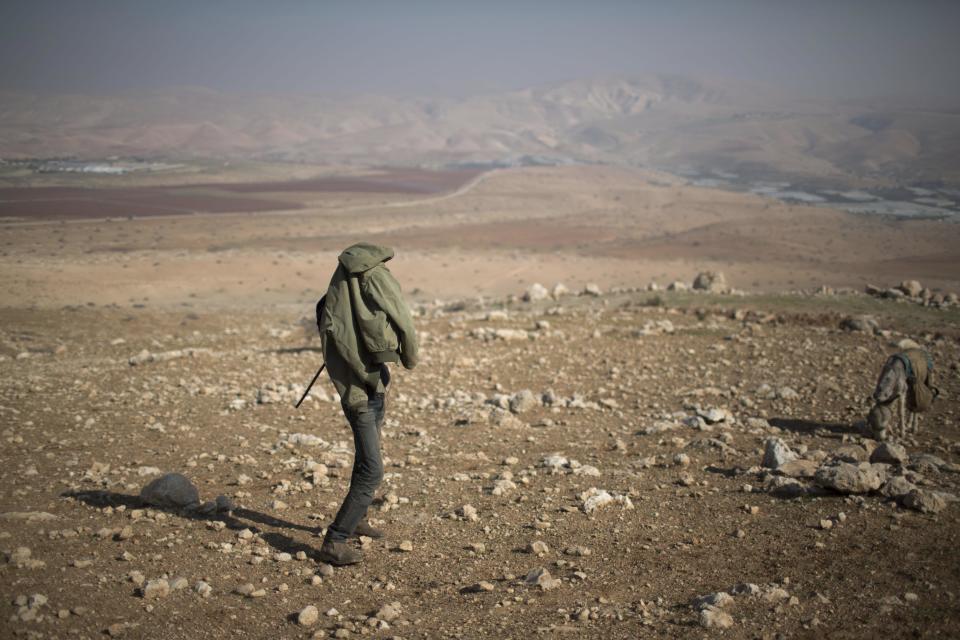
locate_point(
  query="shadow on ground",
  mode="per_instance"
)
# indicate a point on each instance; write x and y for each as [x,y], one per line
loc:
[235,520]
[810,427]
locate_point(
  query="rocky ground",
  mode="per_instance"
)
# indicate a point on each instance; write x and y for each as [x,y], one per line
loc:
[617,465]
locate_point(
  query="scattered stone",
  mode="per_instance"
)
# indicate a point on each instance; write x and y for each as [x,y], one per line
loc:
[578,551]
[388,612]
[535,293]
[308,616]
[912,288]
[862,324]
[846,477]
[21,557]
[203,589]
[890,453]
[146,356]
[155,589]
[897,487]
[776,453]
[223,504]
[538,547]
[541,578]
[405,546]
[555,463]
[587,470]
[28,516]
[523,401]
[711,281]
[468,512]
[775,594]
[714,415]
[594,498]
[799,468]
[745,589]
[720,599]
[479,587]
[713,618]
[170,490]
[502,486]
[787,393]
[926,463]
[907,343]
[786,487]
[926,501]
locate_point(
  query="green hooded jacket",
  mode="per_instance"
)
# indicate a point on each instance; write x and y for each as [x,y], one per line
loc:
[365,322]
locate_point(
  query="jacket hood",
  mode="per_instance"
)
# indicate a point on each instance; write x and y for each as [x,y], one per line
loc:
[364,256]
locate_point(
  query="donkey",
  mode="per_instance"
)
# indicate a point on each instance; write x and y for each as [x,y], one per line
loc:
[907,380]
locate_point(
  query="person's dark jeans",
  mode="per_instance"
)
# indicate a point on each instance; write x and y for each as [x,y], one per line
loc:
[367,467]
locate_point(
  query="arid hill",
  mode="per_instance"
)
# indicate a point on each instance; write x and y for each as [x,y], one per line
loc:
[655,121]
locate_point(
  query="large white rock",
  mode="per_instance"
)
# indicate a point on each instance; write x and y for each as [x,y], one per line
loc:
[308,616]
[170,490]
[523,401]
[713,618]
[541,578]
[846,477]
[912,288]
[776,453]
[560,290]
[897,487]
[926,501]
[594,498]
[713,282]
[535,293]
[890,453]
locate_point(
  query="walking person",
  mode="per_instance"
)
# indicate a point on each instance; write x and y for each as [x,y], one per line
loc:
[364,325]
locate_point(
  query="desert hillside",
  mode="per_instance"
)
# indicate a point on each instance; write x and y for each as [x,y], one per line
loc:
[660,121]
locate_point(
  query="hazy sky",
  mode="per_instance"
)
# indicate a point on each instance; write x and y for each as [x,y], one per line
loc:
[838,48]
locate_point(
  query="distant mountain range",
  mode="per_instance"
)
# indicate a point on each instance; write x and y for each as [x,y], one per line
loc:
[661,121]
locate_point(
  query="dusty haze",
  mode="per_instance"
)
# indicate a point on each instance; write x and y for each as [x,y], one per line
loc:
[852,49]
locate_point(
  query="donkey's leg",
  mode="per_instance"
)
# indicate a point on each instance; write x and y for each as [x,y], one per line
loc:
[903,416]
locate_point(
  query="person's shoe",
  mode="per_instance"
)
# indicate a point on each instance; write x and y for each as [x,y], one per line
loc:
[339,554]
[364,529]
